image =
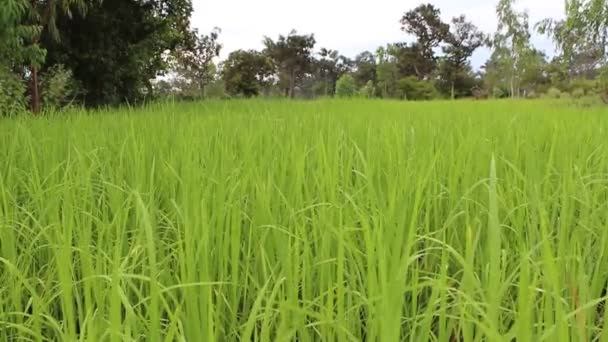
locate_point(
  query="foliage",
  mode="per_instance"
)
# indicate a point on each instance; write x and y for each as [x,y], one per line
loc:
[58,87]
[118,48]
[511,44]
[580,37]
[15,32]
[412,88]
[217,90]
[368,91]
[329,68]
[293,58]
[193,63]
[578,93]
[364,68]
[554,93]
[247,73]
[346,86]
[12,93]
[424,22]
[462,41]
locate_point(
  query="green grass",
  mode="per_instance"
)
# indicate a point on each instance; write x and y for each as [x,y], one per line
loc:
[308,221]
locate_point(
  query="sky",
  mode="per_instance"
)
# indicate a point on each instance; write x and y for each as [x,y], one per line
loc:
[349,26]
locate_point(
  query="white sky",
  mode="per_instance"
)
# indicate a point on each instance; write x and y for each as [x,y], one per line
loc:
[349,26]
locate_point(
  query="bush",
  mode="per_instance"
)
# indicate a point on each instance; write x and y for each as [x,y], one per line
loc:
[368,90]
[554,93]
[412,88]
[499,93]
[216,90]
[578,93]
[59,88]
[582,85]
[12,93]
[479,93]
[346,87]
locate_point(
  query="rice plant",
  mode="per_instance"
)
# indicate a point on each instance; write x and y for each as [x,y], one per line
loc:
[306,221]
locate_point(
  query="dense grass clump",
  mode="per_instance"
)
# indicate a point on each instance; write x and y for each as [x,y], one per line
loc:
[306,221]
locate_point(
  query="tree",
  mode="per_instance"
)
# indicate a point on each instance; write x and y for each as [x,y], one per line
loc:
[511,43]
[411,61]
[330,67]
[292,56]
[120,46]
[387,74]
[424,22]
[15,54]
[411,88]
[346,87]
[461,42]
[44,14]
[194,64]
[580,38]
[247,73]
[364,69]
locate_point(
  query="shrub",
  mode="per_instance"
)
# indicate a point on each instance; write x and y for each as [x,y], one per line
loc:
[412,88]
[578,93]
[499,93]
[479,93]
[582,85]
[554,93]
[367,90]
[216,90]
[346,87]
[59,88]
[12,93]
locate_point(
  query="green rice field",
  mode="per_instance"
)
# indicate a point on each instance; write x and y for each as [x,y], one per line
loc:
[329,220]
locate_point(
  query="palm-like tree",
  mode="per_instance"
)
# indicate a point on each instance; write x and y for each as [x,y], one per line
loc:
[43,13]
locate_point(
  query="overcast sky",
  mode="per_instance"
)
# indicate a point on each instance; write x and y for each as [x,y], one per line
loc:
[349,26]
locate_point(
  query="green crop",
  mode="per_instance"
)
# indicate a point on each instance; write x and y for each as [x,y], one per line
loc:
[306,221]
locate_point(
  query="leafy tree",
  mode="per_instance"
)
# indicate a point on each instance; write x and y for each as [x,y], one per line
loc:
[120,46]
[387,74]
[247,73]
[12,93]
[194,63]
[368,90]
[580,38]
[58,87]
[346,87]
[411,60]
[424,22]
[44,14]
[330,67]
[365,69]
[511,43]
[15,54]
[293,58]
[461,42]
[455,82]
[14,35]
[411,88]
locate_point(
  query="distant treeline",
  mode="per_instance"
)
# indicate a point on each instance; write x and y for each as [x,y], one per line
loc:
[56,53]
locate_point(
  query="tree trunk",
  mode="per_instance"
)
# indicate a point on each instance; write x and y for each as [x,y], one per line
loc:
[292,84]
[453,92]
[35,101]
[512,88]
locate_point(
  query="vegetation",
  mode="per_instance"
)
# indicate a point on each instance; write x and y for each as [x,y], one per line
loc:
[328,220]
[133,51]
